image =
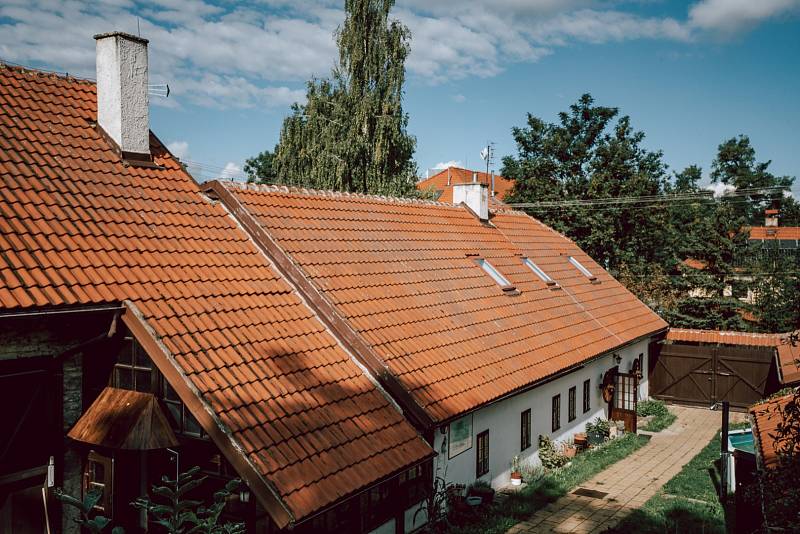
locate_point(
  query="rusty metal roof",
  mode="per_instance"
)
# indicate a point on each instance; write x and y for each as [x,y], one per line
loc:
[403,275]
[79,226]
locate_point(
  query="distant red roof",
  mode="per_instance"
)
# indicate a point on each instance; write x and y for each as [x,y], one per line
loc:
[787,354]
[78,227]
[403,275]
[775,232]
[765,417]
[444,180]
[695,263]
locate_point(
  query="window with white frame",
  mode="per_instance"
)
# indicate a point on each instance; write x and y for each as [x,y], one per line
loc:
[494,273]
[543,276]
[578,265]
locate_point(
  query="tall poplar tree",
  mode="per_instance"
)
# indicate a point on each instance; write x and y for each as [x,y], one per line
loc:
[350,135]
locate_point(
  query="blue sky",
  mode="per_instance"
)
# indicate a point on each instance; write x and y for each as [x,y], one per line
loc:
[690,74]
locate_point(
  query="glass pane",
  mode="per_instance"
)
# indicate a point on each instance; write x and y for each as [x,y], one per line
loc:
[142,360]
[168,392]
[122,378]
[143,381]
[125,355]
[175,412]
[191,426]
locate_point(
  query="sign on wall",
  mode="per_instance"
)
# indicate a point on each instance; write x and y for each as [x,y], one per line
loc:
[460,438]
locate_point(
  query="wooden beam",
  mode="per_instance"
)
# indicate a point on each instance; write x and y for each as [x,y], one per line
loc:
[191,397]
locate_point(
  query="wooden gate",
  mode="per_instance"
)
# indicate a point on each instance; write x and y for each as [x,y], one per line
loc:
[705,374]
[623,405]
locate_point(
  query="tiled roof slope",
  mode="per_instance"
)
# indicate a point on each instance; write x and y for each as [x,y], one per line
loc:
[766,416]
[78,227]
[502,186]
[775,232]
[724,337]
[398,271]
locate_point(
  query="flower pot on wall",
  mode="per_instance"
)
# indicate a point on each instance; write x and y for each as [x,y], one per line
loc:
[516,478]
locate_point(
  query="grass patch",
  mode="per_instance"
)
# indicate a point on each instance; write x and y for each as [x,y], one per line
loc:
[698,481]
[662,417]
[554,484]
[660,422]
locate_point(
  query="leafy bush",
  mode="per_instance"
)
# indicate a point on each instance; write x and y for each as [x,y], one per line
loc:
[603,426]
[651,408]
[549,455]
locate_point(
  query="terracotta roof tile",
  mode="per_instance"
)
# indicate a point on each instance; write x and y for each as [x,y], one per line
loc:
[765,417]
[398,271]
[78,226]
[775,232]
[444,180]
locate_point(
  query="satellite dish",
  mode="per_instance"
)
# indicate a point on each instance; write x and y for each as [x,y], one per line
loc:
[485,153]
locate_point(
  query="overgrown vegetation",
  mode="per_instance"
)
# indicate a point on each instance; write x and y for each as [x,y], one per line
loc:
[548,488]
[174,511]
[687,503]
[661,416]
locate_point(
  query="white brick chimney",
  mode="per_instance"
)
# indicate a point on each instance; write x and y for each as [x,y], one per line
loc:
[475,195]
[122,100]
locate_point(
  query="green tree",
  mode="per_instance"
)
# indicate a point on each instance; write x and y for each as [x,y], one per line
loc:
[736,165]
[261,168]
[586,156]
[776,284]
[350,135]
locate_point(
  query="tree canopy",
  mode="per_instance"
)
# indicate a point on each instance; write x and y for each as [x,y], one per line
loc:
[688,259]
[350,135]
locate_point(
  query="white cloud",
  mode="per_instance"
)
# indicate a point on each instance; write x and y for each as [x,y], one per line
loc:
[731,16]
[232,171]
[258,53]
[459,99]
[179,149]
[447,164]
[720,189]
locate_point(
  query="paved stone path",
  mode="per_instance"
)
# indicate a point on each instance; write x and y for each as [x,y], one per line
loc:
[631,481]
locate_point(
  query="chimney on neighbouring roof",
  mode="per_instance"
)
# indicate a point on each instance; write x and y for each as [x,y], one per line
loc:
[475,195]
[492,186]
[122,101]
[474,177]
[771,217]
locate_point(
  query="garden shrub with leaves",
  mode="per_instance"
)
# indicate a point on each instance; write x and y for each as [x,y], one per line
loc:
[549,455]
[651,408]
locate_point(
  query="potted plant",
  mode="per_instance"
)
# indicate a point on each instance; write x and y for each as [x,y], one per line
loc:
[568,449]
[482,489]
[597,431]
[516,475]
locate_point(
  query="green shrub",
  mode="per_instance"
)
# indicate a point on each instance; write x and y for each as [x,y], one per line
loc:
[550,457]
[600,425]
[651,408]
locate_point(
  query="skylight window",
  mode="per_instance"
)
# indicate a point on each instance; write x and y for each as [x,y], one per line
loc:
[540,273]
[578,265]
[494,273]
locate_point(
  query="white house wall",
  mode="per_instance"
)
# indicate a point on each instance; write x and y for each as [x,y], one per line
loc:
[502,419]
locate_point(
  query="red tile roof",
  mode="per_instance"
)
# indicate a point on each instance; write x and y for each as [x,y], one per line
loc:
[786,352]
[765,417]
[78,226]
[443,181]
[402,273]
[775,232]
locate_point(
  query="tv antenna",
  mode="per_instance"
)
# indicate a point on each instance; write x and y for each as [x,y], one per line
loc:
[487,154]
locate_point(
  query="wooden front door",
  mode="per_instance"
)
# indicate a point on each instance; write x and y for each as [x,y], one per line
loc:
[623,405]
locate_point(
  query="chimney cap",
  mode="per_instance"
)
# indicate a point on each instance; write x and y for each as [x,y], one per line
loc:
[121,34]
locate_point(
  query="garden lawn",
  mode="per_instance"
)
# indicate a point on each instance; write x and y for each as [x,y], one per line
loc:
[553,485]
[660,422]
[671,510]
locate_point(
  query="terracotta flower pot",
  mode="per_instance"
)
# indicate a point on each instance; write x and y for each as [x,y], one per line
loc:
[570,451]
[516,478]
